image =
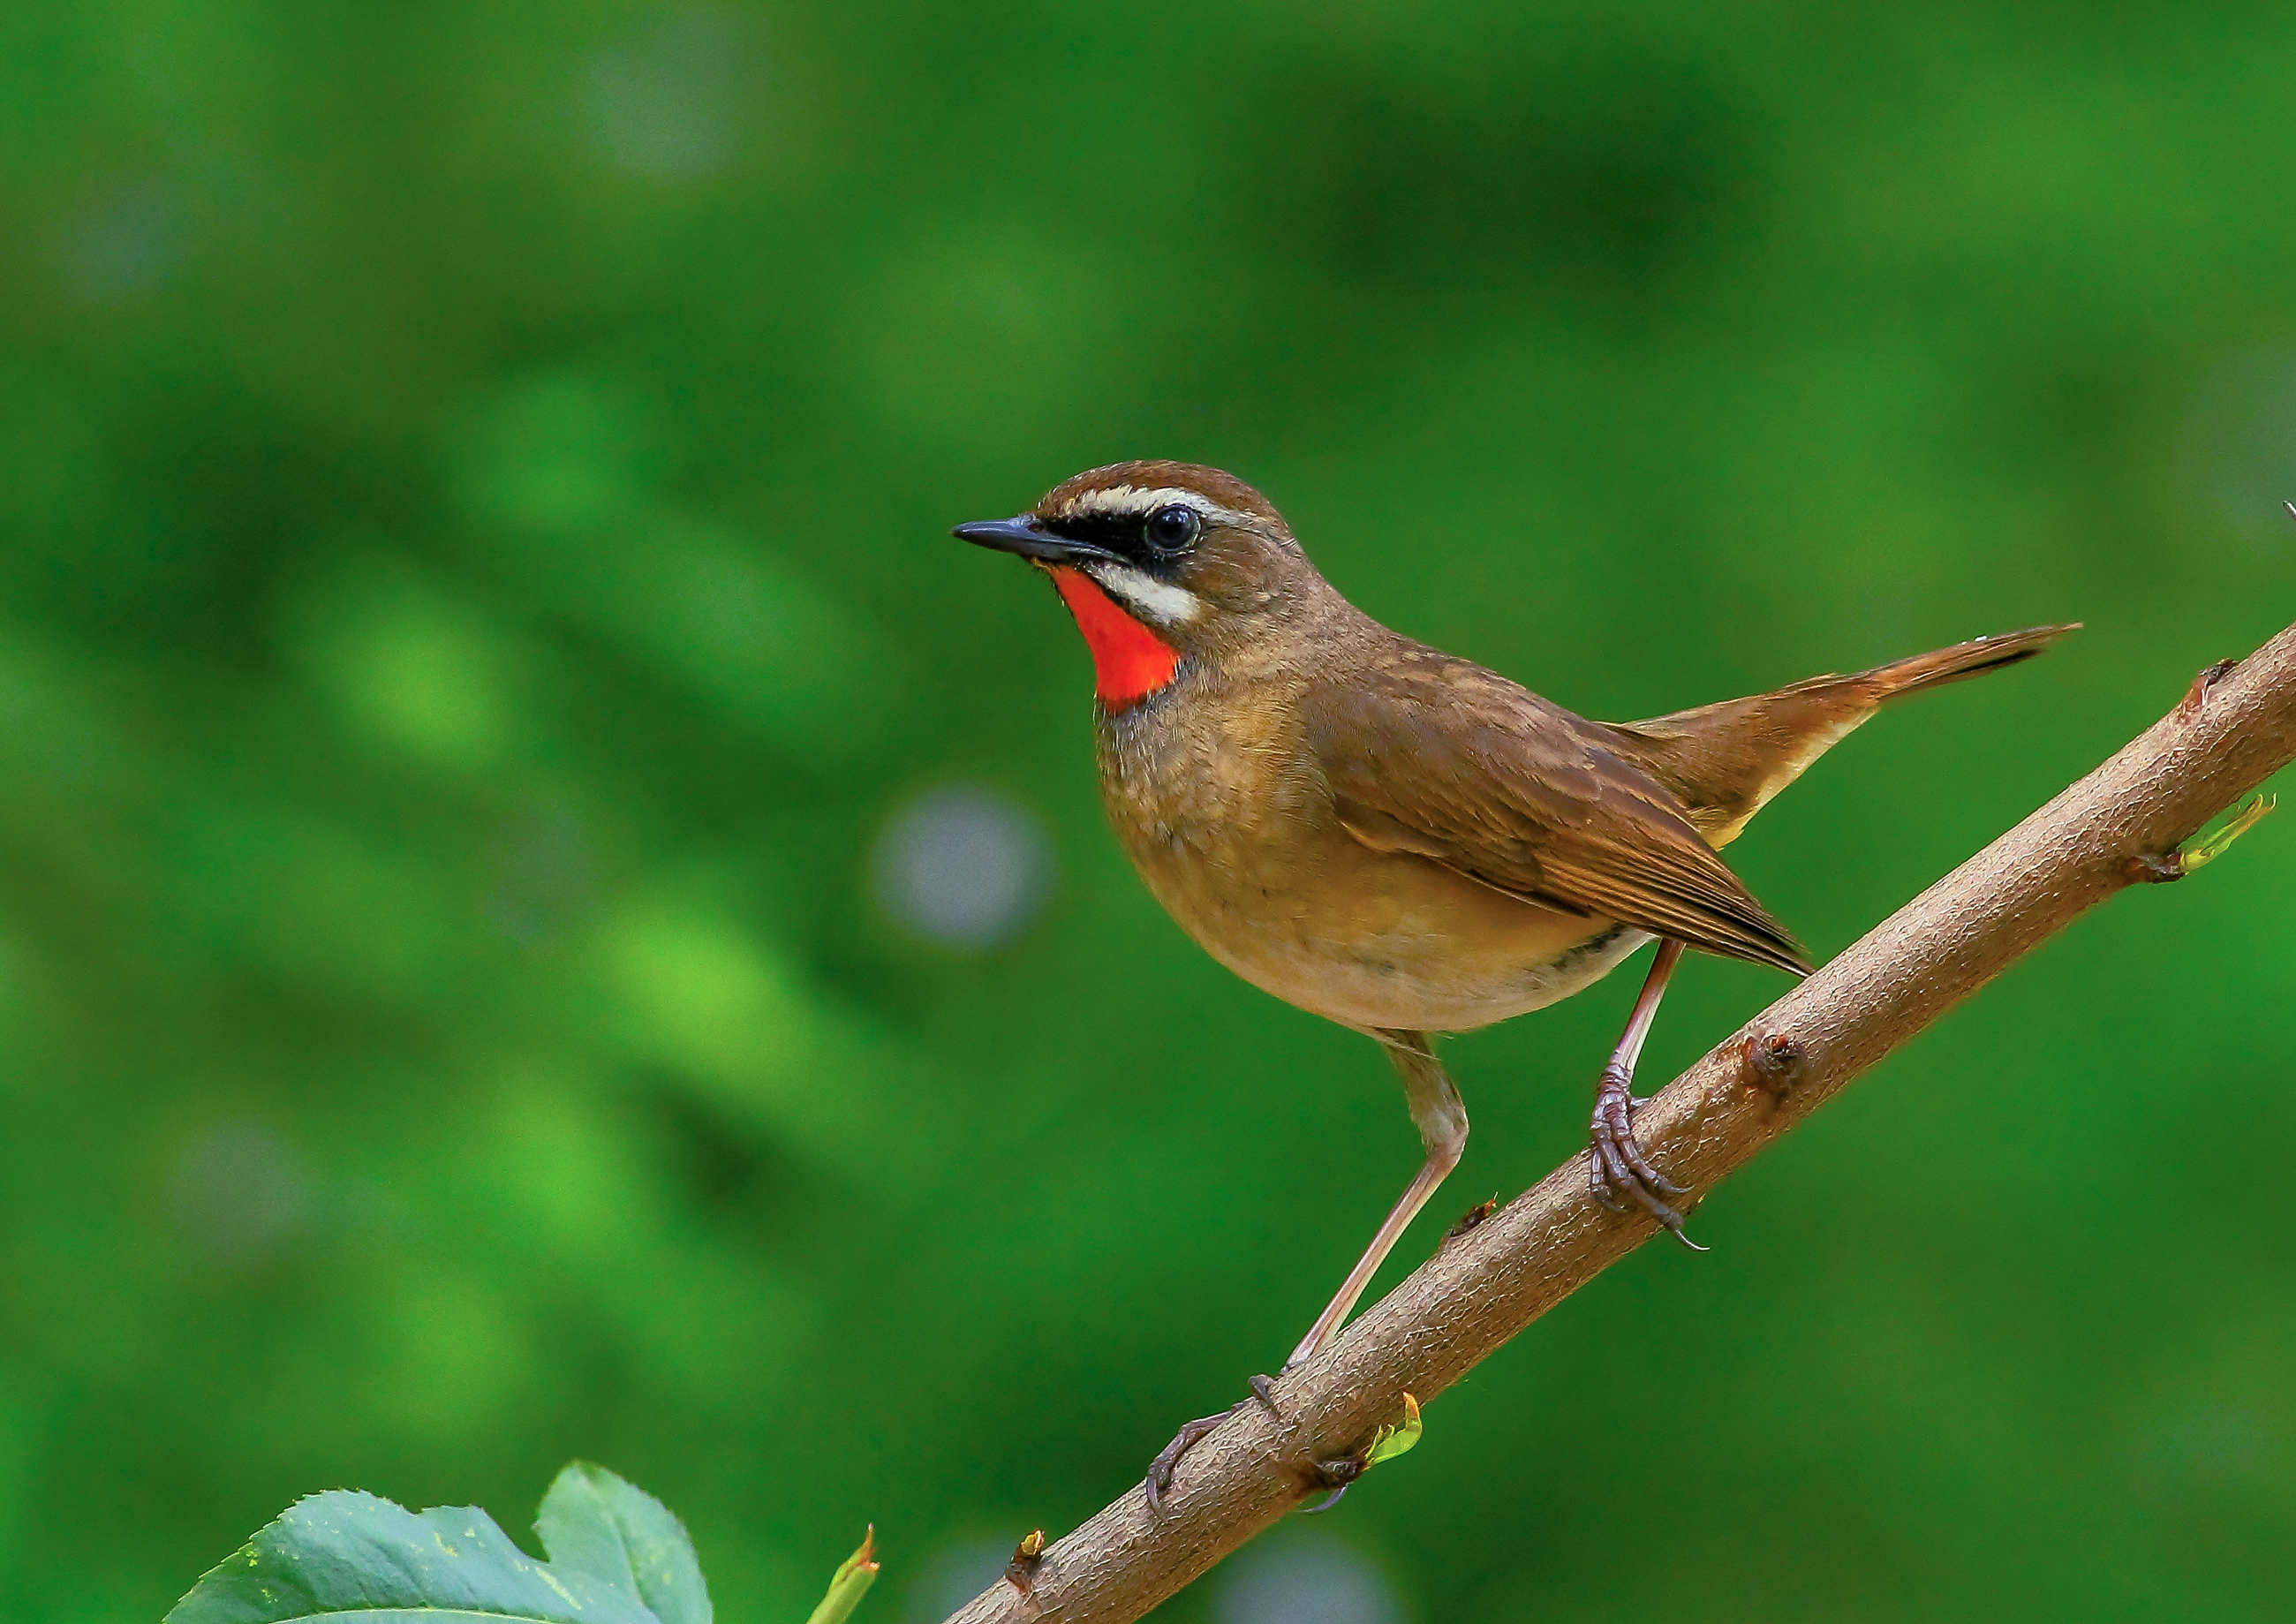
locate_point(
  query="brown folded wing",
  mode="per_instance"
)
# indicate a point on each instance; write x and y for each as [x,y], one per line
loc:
[1441,758]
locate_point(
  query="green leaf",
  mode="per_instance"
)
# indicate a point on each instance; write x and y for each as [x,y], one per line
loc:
[850,1583]
[352,1556]
[1389,1442]
[596,1523]
[2208,850]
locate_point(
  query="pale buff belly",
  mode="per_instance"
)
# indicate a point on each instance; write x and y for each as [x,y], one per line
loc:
[1393,941]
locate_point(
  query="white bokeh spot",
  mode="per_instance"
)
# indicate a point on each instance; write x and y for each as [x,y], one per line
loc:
[1303,1582]
[964,866]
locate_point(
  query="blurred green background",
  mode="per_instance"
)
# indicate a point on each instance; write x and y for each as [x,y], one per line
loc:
[547,909]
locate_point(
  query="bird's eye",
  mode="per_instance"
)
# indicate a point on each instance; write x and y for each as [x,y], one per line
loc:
[1173,528]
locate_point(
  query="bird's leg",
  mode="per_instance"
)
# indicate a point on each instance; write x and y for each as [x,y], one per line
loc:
[1617,1165]
[1442,1121]
[1442,1118]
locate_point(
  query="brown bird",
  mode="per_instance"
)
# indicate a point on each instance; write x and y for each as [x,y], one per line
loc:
[1397,839]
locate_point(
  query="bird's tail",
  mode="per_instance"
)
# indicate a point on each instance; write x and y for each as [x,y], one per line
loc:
[1942,666]
[1725,761]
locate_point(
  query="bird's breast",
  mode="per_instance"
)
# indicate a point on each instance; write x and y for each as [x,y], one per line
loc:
[1231,825]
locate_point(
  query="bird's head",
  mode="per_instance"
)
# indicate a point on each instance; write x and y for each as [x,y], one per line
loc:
[1160,563]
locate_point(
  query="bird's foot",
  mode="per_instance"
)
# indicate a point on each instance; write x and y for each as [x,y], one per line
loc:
[1159,1482]
[1618,1167]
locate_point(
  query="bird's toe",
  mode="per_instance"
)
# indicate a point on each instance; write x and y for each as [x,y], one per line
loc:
[1618,1171]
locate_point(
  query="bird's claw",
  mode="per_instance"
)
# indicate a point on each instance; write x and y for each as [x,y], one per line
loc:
[1159,1481]
[1616,1167]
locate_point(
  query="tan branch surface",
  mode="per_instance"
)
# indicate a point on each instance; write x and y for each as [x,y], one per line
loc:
[2119,825]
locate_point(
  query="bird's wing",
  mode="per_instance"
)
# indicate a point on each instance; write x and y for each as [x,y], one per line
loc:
[1439,758]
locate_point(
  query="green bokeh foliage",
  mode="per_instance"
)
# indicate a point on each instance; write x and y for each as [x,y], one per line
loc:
[473,582]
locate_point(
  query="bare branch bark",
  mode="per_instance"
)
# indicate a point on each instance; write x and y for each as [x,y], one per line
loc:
[2121,824]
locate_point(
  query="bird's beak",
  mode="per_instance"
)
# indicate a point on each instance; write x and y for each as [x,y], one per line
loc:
[1024,535]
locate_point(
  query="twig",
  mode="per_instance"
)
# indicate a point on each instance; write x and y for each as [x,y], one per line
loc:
[2122,825]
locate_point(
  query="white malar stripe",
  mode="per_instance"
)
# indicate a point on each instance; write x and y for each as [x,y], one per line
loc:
[1160,601]
[1131,500]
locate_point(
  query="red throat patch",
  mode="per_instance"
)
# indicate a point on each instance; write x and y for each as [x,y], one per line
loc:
[1129,662]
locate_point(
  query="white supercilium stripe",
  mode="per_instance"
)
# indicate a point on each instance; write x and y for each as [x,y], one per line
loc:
[1160,601]
[1131,499]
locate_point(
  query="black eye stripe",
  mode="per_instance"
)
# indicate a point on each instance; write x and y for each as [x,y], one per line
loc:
[1152,540]
[1117,532]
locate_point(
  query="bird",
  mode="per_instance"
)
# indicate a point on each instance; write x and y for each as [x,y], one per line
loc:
[1397,839]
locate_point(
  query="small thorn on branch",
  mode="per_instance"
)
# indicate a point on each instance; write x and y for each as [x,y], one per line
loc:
[2197,695]
[1027,1556]
[1468,1219]
[2145,869]
[1336,1475]
[1340,1474]
[1774,1062]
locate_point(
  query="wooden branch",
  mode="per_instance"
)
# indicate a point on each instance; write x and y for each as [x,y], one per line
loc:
[2123,823]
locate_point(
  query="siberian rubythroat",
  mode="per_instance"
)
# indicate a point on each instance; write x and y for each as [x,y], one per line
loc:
[1398,840]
